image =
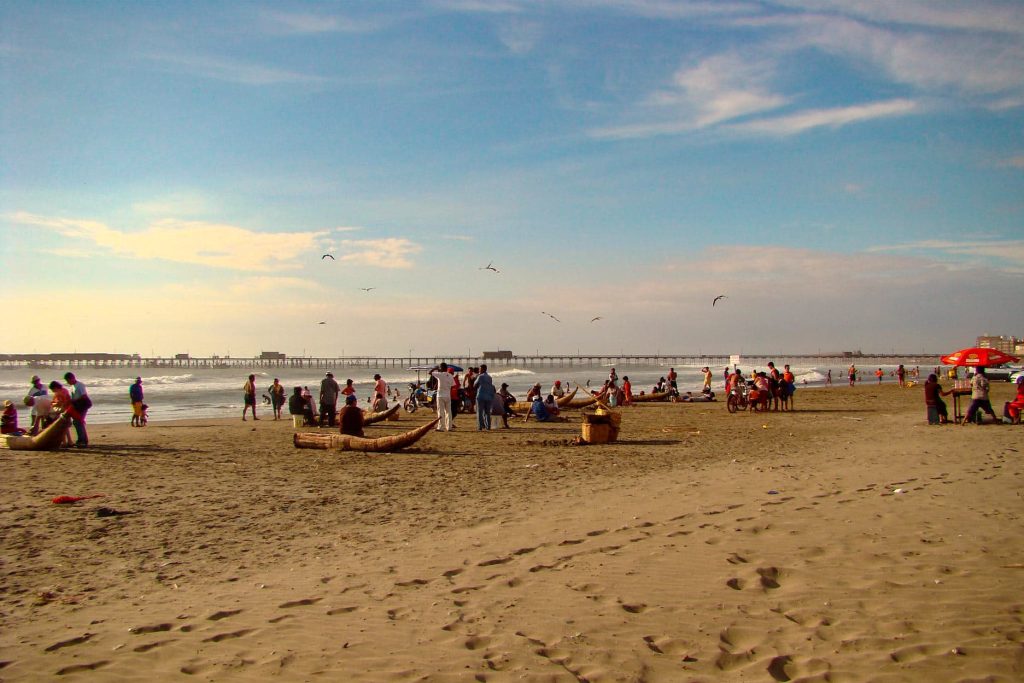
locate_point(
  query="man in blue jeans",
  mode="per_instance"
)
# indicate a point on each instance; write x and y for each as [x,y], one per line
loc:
[81,403]
[484,399]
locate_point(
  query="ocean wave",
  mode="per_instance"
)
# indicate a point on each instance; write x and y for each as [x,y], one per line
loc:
[127,381]
[512,372]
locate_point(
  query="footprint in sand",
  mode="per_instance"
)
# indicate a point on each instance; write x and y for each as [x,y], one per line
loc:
[228,636]
[69,642]
[223,614]
[299,603]
[81,667]
[156,628]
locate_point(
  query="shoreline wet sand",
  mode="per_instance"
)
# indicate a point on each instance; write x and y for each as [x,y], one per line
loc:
[847,540]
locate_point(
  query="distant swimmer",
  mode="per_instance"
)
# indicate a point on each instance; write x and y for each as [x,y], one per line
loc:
[715,301]
[328,256]
[490,266]
[551,316]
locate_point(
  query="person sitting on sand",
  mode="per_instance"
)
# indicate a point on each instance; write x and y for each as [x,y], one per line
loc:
[534,392]
[556,389]
[1012,408]
[933,394]
[351,417]
[9,420]
[379,404]
[540,411]
[298,405]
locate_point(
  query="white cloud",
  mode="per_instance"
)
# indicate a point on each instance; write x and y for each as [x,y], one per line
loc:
[720,88]
[309,23]
[828,118]
[1000,254]
[392,252]
[232,71]
[195,242]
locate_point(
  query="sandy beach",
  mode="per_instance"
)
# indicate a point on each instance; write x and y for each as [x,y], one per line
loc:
[845,541]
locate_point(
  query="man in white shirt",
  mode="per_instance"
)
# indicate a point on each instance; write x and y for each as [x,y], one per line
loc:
[445,382]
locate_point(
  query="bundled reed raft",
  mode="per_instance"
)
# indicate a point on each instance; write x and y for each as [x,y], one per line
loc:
[47,440]
[344,442]
[370,418]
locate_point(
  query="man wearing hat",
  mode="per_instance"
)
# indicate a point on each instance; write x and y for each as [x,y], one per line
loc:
[329,390]
[40,408]
[135,394]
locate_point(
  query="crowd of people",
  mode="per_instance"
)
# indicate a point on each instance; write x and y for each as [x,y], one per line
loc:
[49,403]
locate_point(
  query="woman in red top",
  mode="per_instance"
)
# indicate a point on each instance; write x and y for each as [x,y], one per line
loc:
[627,392]
[62,405]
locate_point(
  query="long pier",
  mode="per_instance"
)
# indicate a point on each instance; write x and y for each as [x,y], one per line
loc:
[99,360]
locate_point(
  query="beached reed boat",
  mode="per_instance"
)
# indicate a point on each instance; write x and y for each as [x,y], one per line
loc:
[566,401]
[47,440]
[344,442]
[653,396]
[370,418]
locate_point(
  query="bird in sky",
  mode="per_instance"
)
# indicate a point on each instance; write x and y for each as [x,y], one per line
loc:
[322,322]
[328,256]
[720,296]
[490,266]
[551,316]
[596,318]
[367,289]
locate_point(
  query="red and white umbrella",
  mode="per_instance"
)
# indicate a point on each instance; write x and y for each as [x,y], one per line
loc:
[976,357]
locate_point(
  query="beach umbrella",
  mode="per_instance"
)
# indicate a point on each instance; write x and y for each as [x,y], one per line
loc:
[975,357]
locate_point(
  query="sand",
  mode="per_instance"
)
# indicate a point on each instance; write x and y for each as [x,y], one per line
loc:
[845,541]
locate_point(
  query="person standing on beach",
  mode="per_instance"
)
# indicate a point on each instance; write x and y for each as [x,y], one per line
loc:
[135,394]
[484,399]
[828,378]
[381,387]
[80,404]
[33,398]
[672,376]
[443,397]
[707,379]
[878,374]
[62,405]
[901,374]
[852,372]
[329,390]
[979,397]
[249,397]
[627,391]
[276,397]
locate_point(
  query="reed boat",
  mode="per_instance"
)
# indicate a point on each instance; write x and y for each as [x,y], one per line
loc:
[47,440]
[344,442]
[370,418]
[564,401]
[651,397]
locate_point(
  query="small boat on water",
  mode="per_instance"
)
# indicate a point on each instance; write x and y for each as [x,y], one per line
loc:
[370,418]
[47,440]
[344,442]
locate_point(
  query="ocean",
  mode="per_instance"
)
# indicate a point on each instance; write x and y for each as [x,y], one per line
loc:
[183,394]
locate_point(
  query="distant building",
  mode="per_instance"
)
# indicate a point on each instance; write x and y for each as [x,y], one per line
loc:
[497,355]
[1010,345]
[181,356]
[272,355]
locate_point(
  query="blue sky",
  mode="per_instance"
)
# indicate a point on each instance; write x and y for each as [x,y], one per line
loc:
[849,173]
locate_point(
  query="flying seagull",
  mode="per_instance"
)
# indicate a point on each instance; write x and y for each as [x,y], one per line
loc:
[490,266]
[720,296]
[551,316]
[367,289]
[595,319]
[328,256]
[322,322]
